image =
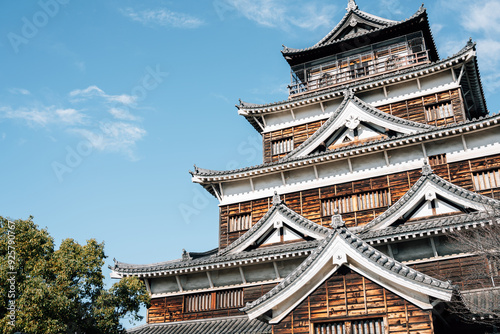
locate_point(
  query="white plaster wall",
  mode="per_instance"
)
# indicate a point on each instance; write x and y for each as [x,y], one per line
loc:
[299,175]
[444,146]
[483,138]
[405,154]
[268,181]
[163,285]
[436,80]
[236,187]
[333,168]
[368,161]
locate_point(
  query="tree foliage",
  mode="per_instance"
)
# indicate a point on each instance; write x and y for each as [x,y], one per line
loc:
[60,290]
[480,295]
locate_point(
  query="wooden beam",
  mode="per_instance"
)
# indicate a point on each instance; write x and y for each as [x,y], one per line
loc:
[322,106]
[251,184]
[276,270]
[316,172]
[179,285]
[293,114]
[419,85]
[283,178]
[424,151]
[259,123]
[210,280]
[263,120]
[350,164]
[434,249]
[242,274]
[148,286]
[464,142]
[386,156]
[385,92]
[462,70]
[216,193]
[221,189]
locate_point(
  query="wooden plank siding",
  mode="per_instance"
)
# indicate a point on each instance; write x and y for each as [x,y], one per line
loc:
[308,203]
[298,133]
[468,273]
[413,110]
[348,296]
[170,309]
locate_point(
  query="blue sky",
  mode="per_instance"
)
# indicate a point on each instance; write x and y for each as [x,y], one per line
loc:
[106,105]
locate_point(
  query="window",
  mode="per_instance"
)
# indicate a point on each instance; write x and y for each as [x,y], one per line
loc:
[282,146]
[366,326]
[486,179]
[439,159]
[240,222]
[356,202]
[210,301]
[439,111]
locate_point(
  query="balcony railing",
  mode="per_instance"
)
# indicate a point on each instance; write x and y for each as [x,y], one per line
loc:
[347,70]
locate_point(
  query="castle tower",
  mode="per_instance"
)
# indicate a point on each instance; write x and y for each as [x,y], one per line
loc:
[380,151]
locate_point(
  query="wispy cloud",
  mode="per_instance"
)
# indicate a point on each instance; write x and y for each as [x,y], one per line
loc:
[112,136]
[483,17]
[79,95]
[21,91]
[163,17]
[44,115]
[86,113]
[280,13]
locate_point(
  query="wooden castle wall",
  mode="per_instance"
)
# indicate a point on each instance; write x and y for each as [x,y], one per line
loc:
[348,297]
[413,110]
[308,203]
[170,309]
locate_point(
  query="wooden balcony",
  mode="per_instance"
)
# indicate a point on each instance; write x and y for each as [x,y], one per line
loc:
[345,71]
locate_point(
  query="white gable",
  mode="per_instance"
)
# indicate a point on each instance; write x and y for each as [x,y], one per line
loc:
[432,196]
[354,118]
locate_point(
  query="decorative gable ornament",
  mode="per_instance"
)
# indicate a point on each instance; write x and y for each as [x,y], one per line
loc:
[432,195]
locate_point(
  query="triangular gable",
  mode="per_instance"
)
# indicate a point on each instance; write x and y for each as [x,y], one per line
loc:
[355,118]
[279,224]
[431,195]
[355,22]
[342,248]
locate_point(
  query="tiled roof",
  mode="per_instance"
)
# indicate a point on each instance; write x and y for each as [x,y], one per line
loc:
[233,325]
[385,25]
[283,209]
[211,262]
[429,176]
[293,162]
[366,107]
[375,257]
[432,226]
[360,84]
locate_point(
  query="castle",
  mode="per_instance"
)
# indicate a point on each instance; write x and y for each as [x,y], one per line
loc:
[381,151]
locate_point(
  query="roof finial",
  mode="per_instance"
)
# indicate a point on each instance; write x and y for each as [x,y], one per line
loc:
[470,42]
[351,5]
[337,221]
[426,169]
[185,255]
[276,198]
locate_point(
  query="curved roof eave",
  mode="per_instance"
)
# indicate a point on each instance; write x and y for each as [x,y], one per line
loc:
[249,110]
[284,164]
[291,52]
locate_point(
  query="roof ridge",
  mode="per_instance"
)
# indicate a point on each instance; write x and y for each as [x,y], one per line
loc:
[363,105]
[280,206]
[429,176]
[340,88]
[364,249]
[320,44]
[367,145]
